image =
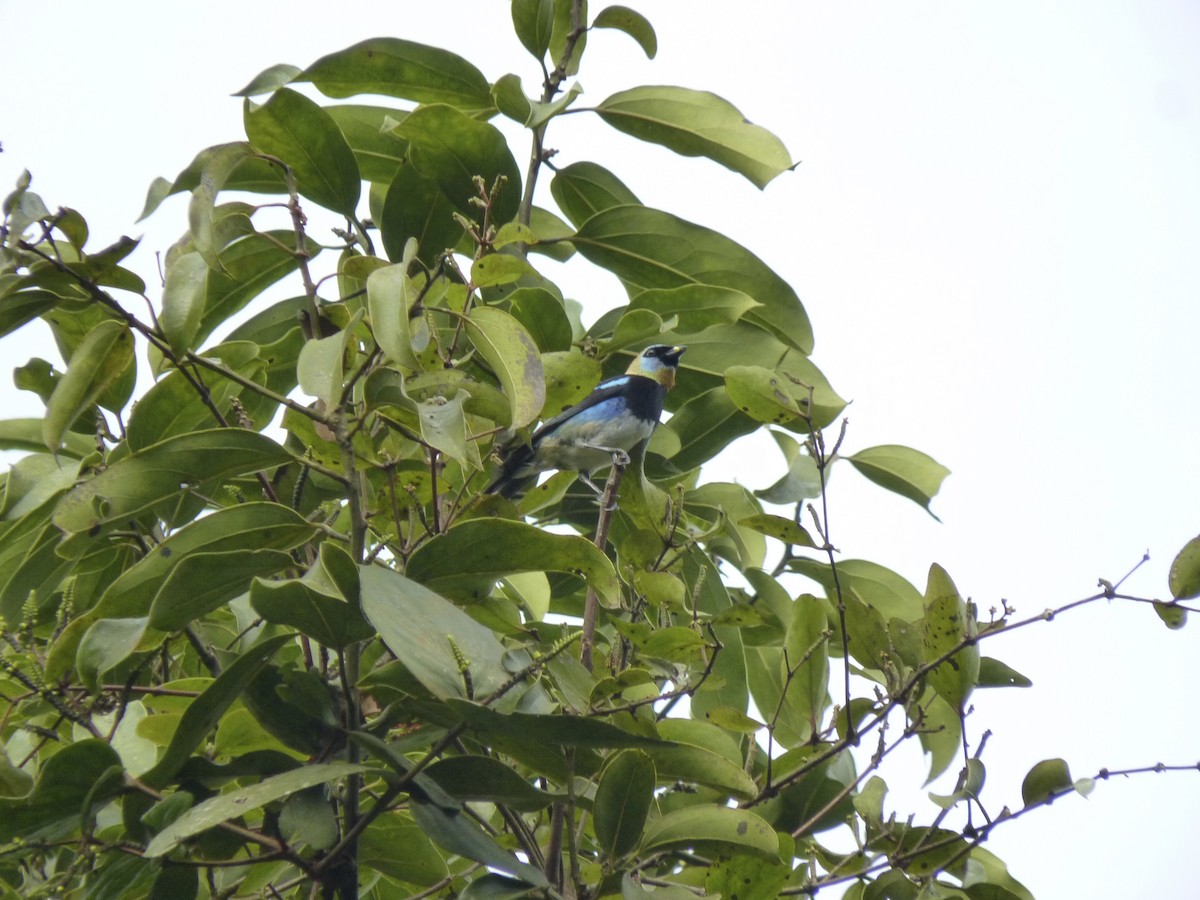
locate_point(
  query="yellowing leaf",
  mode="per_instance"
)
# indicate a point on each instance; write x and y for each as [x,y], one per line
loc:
[949,622]
[513,356]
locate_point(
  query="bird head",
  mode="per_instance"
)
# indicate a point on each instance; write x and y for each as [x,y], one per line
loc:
[657,361]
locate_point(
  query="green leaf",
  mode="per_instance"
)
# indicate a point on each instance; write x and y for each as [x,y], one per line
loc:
[246,526]
[14,782]
[731,719]
[806,653]
[541,113]
[390,296]
[203,714]
[648,248]
[122,876]
[97,363]
[73,225]
[632,23]
[444,427]
[881,588]
[511,100]
[202,582]
[635,327]
[397,68]
[902,470]
[513,356]
[533,21]
[367,129]
[492,886]
[272,324]
[554,730]
[624,794]
[809,382]
[730,830]
[697,306]
[452,148]
[673,643]
[786,530]
[269,79]
[499,269]
[296,130]
[482,778]
[251,265]
[106,644]
[706,425]
[420,863]
[583,189]
[232,804]
[183,300]
[461,835]
[320,369]
[940,732]
[813,801]
[746,878]
[139,481]
[19,308]
[392,603]
[570,376]
[868,802]
[949,622]
[513,233]
[1174,617]
[802,480]
[307,818]
[970,785]
[416,207]
[330,621]
[207,176]
[564,30]
[985,869]
[479,551]
[26,435]
[543,316]
[1184,577]
[633,890]
[697,123]
[698,765]
[387,388]
[994,673]
[65,782]
[764,395]
[1045,781]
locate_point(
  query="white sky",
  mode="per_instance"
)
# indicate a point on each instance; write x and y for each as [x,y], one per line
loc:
[995,232]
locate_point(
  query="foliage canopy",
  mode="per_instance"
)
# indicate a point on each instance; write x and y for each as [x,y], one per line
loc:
[264,631]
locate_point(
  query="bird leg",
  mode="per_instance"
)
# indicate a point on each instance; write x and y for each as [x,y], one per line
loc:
[620,459]
[583,476]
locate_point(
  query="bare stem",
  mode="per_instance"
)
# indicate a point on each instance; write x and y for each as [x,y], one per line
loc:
[591,606]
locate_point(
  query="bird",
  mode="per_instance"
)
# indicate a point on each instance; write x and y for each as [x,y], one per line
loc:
[600,430]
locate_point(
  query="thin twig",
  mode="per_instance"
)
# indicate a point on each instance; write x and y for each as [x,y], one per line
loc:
[591,606]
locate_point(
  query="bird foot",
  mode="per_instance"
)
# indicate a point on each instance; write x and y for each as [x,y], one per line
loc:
[599,492]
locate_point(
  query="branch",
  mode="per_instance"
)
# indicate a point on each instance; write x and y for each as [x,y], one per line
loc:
[591,606]
[901,694]
[981,834]
[550,87]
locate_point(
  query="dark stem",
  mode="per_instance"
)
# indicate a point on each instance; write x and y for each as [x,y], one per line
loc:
[591,606]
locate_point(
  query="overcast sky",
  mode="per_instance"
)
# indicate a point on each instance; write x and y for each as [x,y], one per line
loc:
[996,233]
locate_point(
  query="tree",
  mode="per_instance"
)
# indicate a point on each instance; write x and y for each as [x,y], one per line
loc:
[249,657]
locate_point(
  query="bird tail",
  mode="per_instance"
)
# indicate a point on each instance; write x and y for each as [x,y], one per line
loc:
[514,476]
